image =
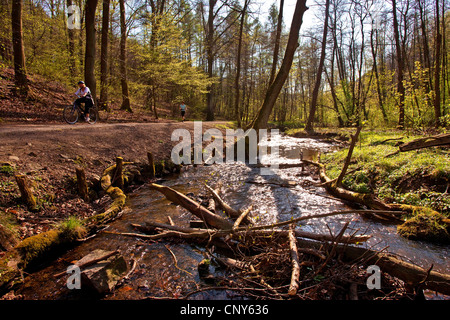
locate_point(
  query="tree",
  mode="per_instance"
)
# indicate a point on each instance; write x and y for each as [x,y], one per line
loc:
[20,74]
[400,68]
[71,46]
[123,59]
[210,59]
[104,55]
[271,96]
[237,114]
[89,57]
[276,49]
[318,82]
[437,69]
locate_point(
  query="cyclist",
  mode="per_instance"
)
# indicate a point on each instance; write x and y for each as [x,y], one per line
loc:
[84,96]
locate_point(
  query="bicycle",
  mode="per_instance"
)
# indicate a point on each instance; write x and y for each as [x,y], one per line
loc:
[72,113]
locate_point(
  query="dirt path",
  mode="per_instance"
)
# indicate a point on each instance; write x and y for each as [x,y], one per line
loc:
[48,155]
[50,145]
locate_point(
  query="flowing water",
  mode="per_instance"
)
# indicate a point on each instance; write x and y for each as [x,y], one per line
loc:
[285,194]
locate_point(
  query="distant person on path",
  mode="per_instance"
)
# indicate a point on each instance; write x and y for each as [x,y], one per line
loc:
[84,96]
[183,108]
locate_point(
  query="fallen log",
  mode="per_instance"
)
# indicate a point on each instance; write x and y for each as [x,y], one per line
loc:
[84,264]
[359,198]
[388,263]
[427,142]
[242,217]
[256,231]
[34,248]
[232,213]
[402,270]
[293,286]
[195,208]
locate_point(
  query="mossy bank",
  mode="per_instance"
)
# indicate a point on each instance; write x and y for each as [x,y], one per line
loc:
[419,179]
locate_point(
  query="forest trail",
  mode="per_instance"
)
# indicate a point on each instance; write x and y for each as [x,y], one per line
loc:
[47,145]
[48,155]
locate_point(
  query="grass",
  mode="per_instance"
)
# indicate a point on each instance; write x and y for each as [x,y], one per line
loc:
[418,178]
[7,169]
[72,228]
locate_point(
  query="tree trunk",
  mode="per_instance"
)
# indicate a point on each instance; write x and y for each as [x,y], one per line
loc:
[81,183]
[20,74]
[315,94]
[276,49]
[178,198]
[374,50]
[123,62]
[104,56]
[210,60]
[400,68]
[89,57]
[71,47]
[237,114]
[437,69]
[26,193]
[274,89]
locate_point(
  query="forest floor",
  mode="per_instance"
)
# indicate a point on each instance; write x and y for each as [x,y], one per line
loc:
[418,178]
[35,141]
[49,154]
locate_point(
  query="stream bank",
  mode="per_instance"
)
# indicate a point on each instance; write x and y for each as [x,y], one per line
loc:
[273,199]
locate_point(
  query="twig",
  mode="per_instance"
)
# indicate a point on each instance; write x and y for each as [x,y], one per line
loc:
[176,261]
[333,249]
[349,157]
[295,276]
[242,217]
[225,206]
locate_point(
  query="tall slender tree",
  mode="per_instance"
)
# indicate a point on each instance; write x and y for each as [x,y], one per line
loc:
[20,74]
[276,50]
[210,59]
[123,59]
[271,96]
[89,57]
[237,113]
[104,55]
[400,68]
[437,67]
[318,82]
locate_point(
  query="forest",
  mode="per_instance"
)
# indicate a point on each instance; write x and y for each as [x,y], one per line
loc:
[377,62]
[355,98]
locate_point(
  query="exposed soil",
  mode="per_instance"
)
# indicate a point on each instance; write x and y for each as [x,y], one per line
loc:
[46,99]
[49,154]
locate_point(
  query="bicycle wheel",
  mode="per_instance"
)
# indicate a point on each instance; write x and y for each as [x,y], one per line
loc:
[70,114]
[93,115]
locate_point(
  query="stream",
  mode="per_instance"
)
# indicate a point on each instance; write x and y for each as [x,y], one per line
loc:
[288,193]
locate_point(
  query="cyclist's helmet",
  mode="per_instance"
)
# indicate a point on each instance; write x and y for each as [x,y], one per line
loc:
[80,82]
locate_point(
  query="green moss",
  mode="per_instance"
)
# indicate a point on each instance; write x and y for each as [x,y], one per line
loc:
[7,169]
[414,179]
[35,247]
[71,229]
[425,224]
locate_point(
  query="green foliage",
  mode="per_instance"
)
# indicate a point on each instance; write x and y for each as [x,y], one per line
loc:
[71,229]
[7,169]
[407,177]
[425,224]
